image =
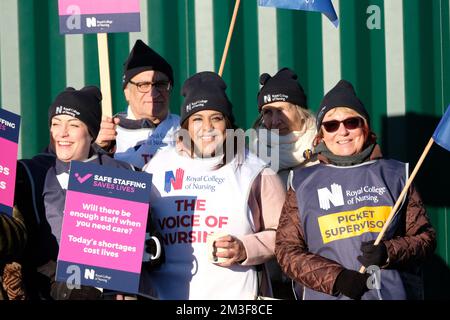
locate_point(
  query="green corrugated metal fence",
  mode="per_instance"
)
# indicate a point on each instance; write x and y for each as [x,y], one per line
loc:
[401,70]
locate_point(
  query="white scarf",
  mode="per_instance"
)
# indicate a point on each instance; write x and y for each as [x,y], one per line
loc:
[291,147]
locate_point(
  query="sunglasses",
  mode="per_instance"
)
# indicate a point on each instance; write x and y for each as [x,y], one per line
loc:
[349,124]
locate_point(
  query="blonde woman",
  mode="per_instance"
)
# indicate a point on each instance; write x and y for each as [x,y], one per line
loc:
[285,133]
[290,125]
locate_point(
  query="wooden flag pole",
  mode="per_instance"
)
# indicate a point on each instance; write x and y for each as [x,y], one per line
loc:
[105,79]
[230,34]
[402,195]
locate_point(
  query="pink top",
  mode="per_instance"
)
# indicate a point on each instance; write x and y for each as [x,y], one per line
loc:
[265,201]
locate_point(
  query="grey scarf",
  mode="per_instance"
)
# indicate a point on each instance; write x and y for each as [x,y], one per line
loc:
[344,161]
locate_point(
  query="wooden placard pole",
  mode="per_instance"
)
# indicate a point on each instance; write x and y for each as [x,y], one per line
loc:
[402,195]
[230,34]
[105,79]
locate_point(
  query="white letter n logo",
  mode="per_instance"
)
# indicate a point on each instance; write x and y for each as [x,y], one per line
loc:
[335,196]
[89,274]
[91,22]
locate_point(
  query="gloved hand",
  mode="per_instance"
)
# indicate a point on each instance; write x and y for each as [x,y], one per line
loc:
[13,282]
[154,250]
[351,284]
[373,255]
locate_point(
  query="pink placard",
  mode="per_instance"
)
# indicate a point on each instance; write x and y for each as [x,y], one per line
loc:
[99,6]
[101,231]
[8,164]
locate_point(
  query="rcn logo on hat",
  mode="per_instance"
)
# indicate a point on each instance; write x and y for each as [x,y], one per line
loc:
[321,112]
[275,97]
[267,98]
[196,104]
[66,110]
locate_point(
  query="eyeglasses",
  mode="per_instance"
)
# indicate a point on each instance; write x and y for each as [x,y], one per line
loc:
[349,124]
[146,86]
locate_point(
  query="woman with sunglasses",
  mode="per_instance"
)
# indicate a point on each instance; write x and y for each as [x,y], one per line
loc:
[329,223]
[212,186]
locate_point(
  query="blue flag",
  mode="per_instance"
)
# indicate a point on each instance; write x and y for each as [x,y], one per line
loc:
[442,133]
[324,6]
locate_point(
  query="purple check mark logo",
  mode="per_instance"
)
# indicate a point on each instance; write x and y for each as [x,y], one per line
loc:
[82,179]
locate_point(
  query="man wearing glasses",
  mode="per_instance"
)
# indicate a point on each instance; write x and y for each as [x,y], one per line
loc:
[147,125]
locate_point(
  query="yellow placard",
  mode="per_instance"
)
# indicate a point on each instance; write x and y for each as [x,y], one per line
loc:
[349,224]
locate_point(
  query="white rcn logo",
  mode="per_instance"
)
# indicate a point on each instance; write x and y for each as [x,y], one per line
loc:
[89,274]
[91,22]
[334,196]
[267,98]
